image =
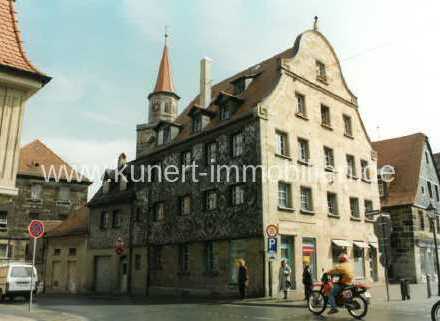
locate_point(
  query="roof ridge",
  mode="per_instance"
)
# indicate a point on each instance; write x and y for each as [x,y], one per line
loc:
[400,137]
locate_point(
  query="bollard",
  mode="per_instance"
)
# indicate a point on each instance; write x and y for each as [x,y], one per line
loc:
[428,285]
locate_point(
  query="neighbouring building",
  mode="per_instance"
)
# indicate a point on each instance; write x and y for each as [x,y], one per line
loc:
[19,80]
[49,189]
[64,269]
[117,221]
[414,186]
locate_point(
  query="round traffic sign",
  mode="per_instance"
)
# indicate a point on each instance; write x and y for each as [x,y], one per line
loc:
[272,230]
[36,229]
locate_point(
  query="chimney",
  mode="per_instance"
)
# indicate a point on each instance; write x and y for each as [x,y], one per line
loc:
[205,82]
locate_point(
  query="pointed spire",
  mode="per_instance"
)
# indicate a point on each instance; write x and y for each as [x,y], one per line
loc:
[316,24]
[164,82]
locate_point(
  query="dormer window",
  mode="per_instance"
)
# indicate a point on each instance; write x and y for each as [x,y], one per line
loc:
[225,112]
[166,135]
[241,84]
[197,123]
[321,73]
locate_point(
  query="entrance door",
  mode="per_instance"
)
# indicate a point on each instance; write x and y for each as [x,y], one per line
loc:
[288,253]
[57,275]
[71,277]
[123,269]
[102,274]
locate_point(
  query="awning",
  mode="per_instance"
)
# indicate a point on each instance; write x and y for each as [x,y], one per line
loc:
[342,243]
[374,244]
[361,244]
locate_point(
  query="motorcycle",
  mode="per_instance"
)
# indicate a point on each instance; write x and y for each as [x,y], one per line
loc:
[435,312]
[355,298]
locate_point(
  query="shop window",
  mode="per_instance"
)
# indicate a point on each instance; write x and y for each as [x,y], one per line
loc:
[359,262]
[237,251]
[309,255]
[209,257]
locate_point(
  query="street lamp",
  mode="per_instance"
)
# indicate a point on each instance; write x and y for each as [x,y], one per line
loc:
[431,212]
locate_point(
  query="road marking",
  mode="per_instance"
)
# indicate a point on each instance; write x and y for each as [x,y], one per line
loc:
[263,318]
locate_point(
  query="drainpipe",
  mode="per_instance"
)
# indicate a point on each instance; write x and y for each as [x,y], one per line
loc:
[130,250]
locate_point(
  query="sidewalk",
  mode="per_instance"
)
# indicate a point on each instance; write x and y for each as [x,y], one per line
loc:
[19,313]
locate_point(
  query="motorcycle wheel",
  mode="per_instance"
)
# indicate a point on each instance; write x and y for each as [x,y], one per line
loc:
[435,312]
[317,302]
[358,308]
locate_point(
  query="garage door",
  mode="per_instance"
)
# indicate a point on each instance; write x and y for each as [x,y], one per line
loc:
[103,274]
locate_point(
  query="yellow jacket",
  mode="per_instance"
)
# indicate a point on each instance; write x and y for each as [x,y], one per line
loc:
[345,270]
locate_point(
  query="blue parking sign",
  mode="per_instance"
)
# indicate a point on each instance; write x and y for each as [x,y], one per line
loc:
[272,245]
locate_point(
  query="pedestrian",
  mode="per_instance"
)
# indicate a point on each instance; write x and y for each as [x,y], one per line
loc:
[242,278]
[284,277]
[307,281]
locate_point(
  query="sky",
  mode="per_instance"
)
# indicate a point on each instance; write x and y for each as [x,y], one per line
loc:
[104,55]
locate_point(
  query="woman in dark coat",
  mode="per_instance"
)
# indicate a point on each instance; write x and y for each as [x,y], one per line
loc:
[307,281]
[242,278]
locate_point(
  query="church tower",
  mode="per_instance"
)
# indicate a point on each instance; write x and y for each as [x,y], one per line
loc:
[162,105]
[163,101]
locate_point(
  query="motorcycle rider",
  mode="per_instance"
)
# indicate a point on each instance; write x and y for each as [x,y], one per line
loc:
[345,271]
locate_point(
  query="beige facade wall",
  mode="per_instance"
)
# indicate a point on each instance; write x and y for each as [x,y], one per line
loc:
[299,76]
[63,271]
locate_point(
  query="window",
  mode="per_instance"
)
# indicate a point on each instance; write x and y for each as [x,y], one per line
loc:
[382,188]
[237,195]
[3,220]
[309,254]
[332,202]
[237,144]
[183,258]
[186,159]
[423,189]
[211,153]
[166,132]
[306,199]
[237,250]
[329,158]
[301,105]
[304,155]
[351,166]
[348,126]
[368,206]
[104,220]
[225,113]
[284,198]
[138,217]
[156,257]
[3,251]
[197,123]
[321,73]
[429,189]
[359,262]
[365,170]
[36,192]
[209,257]
[116,219]
[137,262]
[185,205]
[437,196]
[168,107]
[211,200]
[282,147]
[354,207]
[325,116]
[155,172]
[421,220]
[159,212]
[427,157]
[72,251]
[57,252]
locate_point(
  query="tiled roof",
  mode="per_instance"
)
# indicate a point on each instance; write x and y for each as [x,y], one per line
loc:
[405,155]
[12,54]
[38,160]
[76,224]
[164,82]
[51,225]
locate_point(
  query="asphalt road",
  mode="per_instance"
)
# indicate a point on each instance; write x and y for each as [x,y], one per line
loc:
[123,309]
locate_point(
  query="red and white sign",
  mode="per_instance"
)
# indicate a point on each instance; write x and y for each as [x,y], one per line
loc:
[36,229]
[272,230]
[119,246]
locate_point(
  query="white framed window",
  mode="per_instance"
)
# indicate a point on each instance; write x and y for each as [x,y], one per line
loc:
[301,104]
[159,211]
[365,170]
[36,190]
[351,166]
[211,153]
[237,144]
[368,205]
[332,202]
[354,207]
[306,199]
[304,153]
[186,158]
[104,219]
[197,123]
[237,195]
[185,205]
[211,200]
[166,134]
[329,158]
[3,220]
[282,143]
[348,127]
[225,113]
[284,195]
[325,116]
[321,72]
